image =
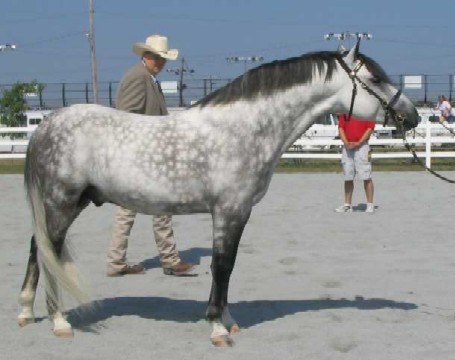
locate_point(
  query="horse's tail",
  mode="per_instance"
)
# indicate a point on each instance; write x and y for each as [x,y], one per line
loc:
[62,268]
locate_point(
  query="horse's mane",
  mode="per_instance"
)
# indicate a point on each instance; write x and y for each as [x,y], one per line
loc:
[282,74]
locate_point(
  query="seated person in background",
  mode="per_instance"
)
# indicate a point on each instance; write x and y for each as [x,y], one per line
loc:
[444,107]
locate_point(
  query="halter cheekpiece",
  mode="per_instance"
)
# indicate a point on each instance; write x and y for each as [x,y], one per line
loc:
[387,106]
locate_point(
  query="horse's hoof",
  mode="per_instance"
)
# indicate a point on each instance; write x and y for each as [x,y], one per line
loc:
[222,341]
[64,333]
[234,329]
[25,321]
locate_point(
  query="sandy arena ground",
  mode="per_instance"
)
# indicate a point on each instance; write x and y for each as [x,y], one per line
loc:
[308,283]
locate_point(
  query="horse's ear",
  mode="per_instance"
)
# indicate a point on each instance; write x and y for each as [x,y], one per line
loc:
[352,55]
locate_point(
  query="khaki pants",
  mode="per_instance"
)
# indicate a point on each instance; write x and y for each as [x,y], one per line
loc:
[164,238]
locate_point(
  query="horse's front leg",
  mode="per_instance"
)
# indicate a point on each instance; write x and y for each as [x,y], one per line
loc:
[227,231]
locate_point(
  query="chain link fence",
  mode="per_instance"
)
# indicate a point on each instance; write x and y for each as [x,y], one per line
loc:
[422,89]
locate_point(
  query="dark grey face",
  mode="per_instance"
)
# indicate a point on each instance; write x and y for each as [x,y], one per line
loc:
[410,122]
[397,107]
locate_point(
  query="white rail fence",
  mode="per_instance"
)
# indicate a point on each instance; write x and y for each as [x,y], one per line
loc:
[429,136]
[304,148]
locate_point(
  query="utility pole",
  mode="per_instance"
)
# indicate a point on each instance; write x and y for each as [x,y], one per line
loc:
[7,47]
[244,59]
[91,40]
[180,71]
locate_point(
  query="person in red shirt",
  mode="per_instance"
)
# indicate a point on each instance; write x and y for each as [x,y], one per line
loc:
[355,159]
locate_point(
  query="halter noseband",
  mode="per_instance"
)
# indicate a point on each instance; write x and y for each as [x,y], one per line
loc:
[387,106]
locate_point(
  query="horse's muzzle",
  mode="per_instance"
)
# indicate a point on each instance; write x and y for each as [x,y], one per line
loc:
[410,120]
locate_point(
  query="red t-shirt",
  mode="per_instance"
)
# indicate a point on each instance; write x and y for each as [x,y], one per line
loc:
[354,128]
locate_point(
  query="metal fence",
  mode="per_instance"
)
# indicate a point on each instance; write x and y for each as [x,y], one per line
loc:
[423,90]
[56,95]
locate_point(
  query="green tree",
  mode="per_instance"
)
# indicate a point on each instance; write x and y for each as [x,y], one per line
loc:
[13,103]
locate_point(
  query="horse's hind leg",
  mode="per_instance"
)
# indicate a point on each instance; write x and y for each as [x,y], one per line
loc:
[28,291]
[27,296]
[58,219]
[227,231]
[62,328]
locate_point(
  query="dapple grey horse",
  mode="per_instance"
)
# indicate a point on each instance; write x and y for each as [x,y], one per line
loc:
[216,157]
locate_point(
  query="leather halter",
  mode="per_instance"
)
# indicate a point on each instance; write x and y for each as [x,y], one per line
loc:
[388,109]
[387,106]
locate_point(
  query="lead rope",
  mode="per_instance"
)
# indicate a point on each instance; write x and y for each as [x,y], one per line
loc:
[411,149]
[447,128]
[389,111]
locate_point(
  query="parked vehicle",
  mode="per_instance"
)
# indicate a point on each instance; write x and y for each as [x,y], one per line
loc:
[30,120]
[325,128]
[34,117]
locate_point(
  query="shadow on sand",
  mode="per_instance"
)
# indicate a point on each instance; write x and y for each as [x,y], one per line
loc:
[247,313]
[192,255]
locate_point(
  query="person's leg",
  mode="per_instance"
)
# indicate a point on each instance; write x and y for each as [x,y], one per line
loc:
[164,238]
[116,256]
[348,191]
[369,190]
[347,162]
[364,172]
[167,249]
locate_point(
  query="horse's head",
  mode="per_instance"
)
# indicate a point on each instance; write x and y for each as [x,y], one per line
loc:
[370,94]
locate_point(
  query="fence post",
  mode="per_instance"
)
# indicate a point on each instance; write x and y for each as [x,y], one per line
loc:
[63,95]
[41,103]
[428,144]
[425,90]
[86,93]
[450,87]
[110,94]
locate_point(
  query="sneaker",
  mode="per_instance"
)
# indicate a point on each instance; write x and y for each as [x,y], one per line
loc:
[344,209]
[370,209]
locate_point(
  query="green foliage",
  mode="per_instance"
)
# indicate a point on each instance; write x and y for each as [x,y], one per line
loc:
[13,103]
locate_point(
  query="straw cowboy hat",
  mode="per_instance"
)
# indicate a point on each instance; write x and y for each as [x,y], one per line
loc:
[156,44]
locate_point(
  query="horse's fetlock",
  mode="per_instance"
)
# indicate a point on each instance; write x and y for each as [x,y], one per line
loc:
[213,313]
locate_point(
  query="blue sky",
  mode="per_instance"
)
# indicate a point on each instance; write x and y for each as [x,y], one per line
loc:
[52,46]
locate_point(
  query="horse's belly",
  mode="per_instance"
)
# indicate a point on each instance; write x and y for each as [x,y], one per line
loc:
[159,199]
[168,207]
[178,209]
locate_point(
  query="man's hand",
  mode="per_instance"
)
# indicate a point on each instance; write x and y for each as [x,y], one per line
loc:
[352,145]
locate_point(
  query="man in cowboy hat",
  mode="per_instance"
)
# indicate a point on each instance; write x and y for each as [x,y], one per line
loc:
[140,92]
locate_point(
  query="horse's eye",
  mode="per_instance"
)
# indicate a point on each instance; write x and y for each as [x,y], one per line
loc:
[375,80]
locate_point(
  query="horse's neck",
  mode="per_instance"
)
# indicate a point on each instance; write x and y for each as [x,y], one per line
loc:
[284,116]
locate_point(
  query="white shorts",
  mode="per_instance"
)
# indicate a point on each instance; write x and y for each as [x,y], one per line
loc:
[356,163]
